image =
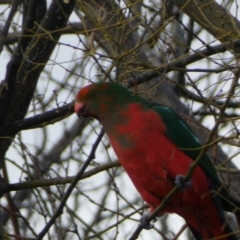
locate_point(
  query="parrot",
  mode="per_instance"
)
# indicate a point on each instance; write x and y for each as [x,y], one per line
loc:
[156,147]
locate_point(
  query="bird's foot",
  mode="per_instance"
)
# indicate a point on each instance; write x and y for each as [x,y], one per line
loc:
[144,222]
[179,181]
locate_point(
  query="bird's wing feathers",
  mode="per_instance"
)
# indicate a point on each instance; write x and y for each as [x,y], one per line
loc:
[182,136]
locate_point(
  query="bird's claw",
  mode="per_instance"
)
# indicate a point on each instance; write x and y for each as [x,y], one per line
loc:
[182,184]
[145,223]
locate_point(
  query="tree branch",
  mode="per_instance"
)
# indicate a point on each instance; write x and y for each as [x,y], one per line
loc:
[59,180]
[40,120]
[211,16]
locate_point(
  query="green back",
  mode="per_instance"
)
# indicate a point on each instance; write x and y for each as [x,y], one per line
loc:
[180,133]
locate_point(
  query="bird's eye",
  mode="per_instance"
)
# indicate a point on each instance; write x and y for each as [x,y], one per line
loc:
[93,95]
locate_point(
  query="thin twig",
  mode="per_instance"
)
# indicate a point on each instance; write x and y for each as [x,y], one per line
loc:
[58,180]
[71,187]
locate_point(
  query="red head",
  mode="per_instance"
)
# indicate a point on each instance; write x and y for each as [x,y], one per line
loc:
[102,100]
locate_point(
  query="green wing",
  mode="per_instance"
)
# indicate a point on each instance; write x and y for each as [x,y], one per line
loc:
[180,133]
